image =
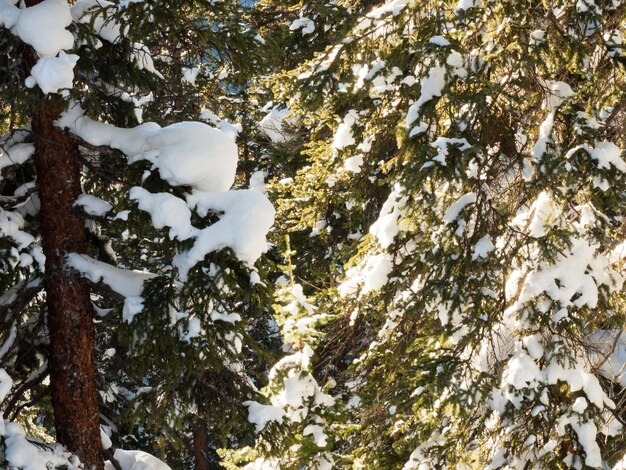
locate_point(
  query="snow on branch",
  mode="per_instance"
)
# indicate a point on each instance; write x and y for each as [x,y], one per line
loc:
[188,154]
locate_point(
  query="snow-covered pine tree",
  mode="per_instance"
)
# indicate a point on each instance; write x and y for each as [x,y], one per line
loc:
[284,133]
[297,420]
[157,231]
[291,33]
[465,164]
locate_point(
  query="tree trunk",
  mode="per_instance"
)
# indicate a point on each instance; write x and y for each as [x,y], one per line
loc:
[70,313]
[200,445]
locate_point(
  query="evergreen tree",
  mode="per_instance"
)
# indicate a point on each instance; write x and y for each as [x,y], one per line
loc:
[458,208]
[168,250]
[449,180]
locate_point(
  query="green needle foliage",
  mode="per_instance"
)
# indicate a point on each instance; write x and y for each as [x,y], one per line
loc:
[453,185]
[445,286]
[195,349]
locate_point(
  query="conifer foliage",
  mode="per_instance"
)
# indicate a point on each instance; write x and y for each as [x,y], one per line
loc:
[442,183]
[142,236]
[458,207]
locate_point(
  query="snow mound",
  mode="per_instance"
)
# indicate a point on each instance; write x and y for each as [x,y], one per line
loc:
[93,205]
[41,26]
[247,216]
[136,460]
[190,154]
[185,154]
[272,125]
[122,281]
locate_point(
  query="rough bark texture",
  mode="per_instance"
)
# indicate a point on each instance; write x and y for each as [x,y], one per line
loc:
[200,446]
[70,313]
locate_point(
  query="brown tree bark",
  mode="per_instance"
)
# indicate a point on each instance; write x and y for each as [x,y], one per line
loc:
[200,445]
[70,313]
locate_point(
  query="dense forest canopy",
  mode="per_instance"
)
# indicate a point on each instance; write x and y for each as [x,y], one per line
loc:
[312,234]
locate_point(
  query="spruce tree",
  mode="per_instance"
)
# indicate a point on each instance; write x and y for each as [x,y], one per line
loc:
[167,249]
[458,209]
